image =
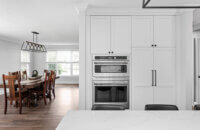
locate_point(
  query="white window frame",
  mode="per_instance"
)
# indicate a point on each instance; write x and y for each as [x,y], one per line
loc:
[56,63]
[25,63]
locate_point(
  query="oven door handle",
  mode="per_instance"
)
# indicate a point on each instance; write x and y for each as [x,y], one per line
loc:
[110,84]
[110,63]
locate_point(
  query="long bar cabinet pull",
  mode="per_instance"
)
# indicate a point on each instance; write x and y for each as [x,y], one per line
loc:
[152,72]
[155,77]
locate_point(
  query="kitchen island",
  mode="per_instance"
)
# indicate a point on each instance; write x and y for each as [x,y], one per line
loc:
[130,120]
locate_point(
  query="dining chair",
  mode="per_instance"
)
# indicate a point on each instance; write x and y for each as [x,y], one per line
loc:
[17,73]
[161,107]
[16,94]
[44,90]
[24,75]
[197,107]
[52,85]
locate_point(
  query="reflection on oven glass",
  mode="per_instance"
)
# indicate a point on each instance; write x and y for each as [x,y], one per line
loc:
[110,94]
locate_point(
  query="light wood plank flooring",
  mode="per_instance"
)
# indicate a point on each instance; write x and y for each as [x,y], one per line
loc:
[41,117]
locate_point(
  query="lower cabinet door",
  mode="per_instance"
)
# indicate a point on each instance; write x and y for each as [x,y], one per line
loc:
[142,89]
[164,95]
[164,64]
[142,96]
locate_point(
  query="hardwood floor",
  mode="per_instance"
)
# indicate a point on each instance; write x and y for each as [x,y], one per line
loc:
[41,117]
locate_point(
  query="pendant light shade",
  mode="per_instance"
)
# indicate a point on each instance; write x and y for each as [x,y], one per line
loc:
[32,46]
[171,4]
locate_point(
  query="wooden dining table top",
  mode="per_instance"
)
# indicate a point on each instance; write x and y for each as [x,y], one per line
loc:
[32,83]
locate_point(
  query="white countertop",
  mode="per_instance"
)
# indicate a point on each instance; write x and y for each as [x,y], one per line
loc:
[130,120]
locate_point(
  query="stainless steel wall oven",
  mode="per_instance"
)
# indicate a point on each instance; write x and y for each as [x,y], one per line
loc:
[111,80]
[111,92]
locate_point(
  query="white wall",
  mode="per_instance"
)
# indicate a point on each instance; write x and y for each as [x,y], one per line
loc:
[185,58]
[9,57]
[39,60]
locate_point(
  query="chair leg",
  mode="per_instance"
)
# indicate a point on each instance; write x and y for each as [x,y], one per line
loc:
[54,95]
[20,106]
[6,104]
[11,102]
[45,101]
[50,95]
[16,103]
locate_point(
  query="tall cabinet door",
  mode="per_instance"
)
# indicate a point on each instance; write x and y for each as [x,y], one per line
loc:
[164,31]
[142,31]
[100,34]
[164,64]
[142,65]
[121,34]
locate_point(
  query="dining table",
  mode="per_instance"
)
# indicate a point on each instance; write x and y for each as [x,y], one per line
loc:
[31,84]
[130,120]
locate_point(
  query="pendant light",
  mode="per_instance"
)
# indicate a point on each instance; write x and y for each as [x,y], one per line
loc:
[146,3]
[33,46]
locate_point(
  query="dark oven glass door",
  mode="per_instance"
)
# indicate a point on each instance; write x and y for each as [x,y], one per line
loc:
[107,94]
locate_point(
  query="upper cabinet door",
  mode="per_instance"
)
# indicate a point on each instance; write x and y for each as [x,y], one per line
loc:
[164,31]
[142,31]
[100,34]
[121,34]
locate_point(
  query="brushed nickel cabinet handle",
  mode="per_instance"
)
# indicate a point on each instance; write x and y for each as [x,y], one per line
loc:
[152,76]
[155,77]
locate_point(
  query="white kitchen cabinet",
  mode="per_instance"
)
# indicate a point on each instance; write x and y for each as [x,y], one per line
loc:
[111,34]
[157,86]
[121,34]
[142,31]
[142,66]
[153,30]
[164,31]
[164,64]
[100,34]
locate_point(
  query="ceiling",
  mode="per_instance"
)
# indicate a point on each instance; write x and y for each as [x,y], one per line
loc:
[56,20]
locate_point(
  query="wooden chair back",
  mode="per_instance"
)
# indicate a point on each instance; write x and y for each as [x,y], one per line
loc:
[17,73]
[10,81]
[53,78]
[24,75]
[47,82]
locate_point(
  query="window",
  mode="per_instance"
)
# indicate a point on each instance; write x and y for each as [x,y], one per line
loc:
[25,61]
[65,63]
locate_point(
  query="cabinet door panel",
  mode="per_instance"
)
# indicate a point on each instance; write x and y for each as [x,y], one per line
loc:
[142,65]
[142,31]
[164,64]
[164,31]
[100,34]
[121,34]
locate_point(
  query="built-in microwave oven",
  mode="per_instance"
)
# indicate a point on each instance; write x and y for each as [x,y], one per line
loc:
[110,66]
